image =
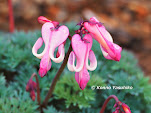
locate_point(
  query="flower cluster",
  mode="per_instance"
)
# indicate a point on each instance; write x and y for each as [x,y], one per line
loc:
[54,35]
[31,87]
[121,107]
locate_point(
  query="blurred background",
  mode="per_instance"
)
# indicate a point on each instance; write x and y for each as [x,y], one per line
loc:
[129,21]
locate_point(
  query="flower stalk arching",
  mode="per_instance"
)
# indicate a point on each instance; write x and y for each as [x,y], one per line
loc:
[31,86]
[11,17]
[107,100]
[119,106]
[38,88]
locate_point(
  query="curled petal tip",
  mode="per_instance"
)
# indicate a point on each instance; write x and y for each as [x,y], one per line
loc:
[60,54]
[70,62]
[93,61]
[36,46]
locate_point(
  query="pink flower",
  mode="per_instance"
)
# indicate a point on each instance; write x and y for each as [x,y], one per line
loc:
[121,107]
[97,30]
[53,36]
[31,87]
[82,52]
[126,108]
[43,20]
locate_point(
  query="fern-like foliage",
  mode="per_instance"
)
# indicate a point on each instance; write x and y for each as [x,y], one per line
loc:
[15,101]
[51,109]
[68,89]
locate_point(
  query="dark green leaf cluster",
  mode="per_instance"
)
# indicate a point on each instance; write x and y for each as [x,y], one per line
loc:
[15,101]
[16,50]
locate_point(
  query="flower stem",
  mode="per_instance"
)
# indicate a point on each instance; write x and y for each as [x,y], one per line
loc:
[107,100]
[38,89]
[11,17]
[52,87]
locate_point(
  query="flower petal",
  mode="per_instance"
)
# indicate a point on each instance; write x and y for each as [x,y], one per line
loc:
[93,61]
[95,33]
[88,41]
[79,48]
[45,64]
[103,30]
[58,37]
[46,36]
[82,78]
[71,61]
[110,50]
[61,54]
[36,46]
[114,53]
[90,53]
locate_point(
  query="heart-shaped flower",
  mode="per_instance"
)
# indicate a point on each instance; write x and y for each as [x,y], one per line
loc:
[52,37]
[82,53]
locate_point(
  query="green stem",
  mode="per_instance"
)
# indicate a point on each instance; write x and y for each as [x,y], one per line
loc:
[52,87]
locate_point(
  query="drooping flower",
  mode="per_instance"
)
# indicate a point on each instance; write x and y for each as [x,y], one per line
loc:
[121,107]
[110,50]
[82,53]
[53,36]
[31,87]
